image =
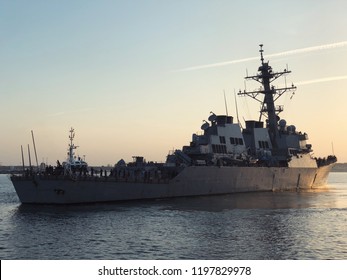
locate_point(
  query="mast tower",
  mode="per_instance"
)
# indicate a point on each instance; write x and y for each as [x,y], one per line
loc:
[72,146]
[268,109]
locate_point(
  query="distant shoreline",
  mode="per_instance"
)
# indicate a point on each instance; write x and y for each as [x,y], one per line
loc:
[340,167]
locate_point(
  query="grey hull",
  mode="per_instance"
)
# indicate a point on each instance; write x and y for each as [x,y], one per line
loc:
[192,181]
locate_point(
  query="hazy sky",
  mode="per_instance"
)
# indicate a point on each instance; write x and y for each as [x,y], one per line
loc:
[139,77]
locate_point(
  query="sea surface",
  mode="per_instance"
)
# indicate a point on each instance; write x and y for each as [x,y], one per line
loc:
[261,226]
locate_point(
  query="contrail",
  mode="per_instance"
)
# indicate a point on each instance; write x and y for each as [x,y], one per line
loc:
[218,64]
[322,80]
[286,53]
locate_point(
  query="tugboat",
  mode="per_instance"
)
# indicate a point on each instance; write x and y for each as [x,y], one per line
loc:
[224,159]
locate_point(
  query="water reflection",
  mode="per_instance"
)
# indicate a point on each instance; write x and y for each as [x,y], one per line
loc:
[288,225]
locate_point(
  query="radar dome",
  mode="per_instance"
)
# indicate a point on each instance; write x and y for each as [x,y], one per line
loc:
[282,123]
[291,128]
[212,118]
[205,126]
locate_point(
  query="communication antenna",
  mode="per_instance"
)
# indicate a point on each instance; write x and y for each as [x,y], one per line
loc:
[225,102]
[37,163]
[237,110]
[261,53]
[29,159]
[21,148]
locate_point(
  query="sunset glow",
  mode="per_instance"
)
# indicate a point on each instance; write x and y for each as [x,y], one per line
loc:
[139,77]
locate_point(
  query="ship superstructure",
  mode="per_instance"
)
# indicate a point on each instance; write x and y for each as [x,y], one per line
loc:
[273,144]
[265,155]
[73,163]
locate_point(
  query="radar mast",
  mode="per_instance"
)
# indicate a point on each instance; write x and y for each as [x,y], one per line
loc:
[265,77]
[72,146]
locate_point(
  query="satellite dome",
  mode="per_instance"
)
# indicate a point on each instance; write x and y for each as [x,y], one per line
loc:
[212,118]
[282,123]
[205,125]
[291,128]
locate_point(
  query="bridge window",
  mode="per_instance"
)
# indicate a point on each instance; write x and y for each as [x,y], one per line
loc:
[219,149]
[236,141]
[222,139]
[263,144]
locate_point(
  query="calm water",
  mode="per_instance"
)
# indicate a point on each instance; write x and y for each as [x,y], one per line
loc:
[290,225]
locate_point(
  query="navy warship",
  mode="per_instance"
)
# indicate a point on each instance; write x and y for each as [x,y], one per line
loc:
[225,158]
